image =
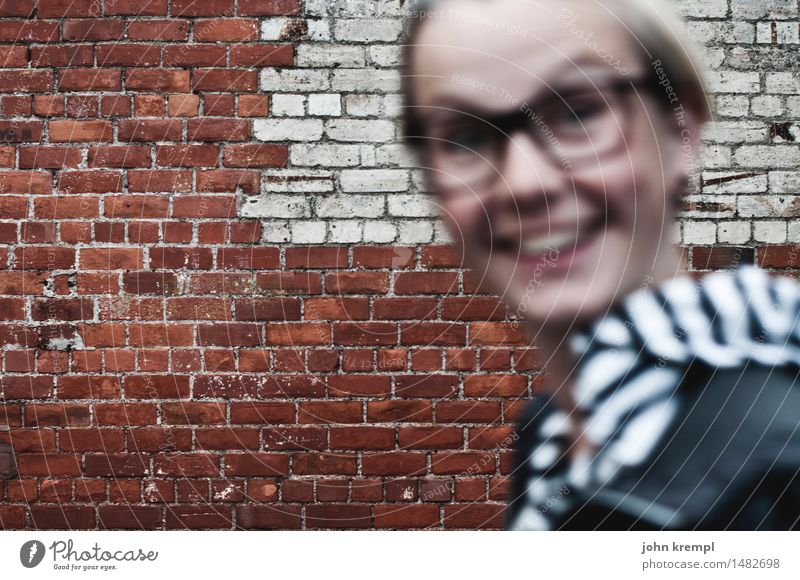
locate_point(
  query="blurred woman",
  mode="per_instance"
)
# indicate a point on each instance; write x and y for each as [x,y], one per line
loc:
[560,138]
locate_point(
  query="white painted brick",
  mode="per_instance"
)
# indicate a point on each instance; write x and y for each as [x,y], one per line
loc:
[711,58]
[363,105]
[368,180]
[393,105]
[768,156]
[769,232]
[767,106]
[312,155]
[392,7]
[441,235]
[298,181]
[415,232]
[762,206]
[288,105]
[711,206]
[396,154]
[784,182]
[272,28]
[276,232]
[784,83]
[325,104]
[370,80]
[721,32]
[349,206]
[733,82]
[784,32]
[754,184]
[758,9]
[366,131]
[345,231]
[733,232]
[701,8]
[412,206]
[732,105]
[319,30]
[793,234]
[339,110]
[704,232]
[372,30]
[294,80]
[277,206]
[317,7]
[715,156]
[735,132]
[352,8]
[330,55]
[420,181]
[379,232]
[793,106]
[308,232]
[368,156]
[287,129]
[385,55]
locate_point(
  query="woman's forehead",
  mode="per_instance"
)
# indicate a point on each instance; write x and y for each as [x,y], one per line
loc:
[510,46]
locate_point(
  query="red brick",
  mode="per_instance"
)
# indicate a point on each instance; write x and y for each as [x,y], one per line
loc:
[208,129]
[12,30]
[135,7]
[224,79]
[122,157]
[271,517]
[226,30]
[149,130]
[90,79]
[68,8]
[62,517]
[255,156]
[129,517]
[262,55]
[111,258]
[269,7]
[157,80]
[161,30]
[187,155]
[195,55]
[26,81]
[406,516]
[80,131]
[27,182]
[136,206]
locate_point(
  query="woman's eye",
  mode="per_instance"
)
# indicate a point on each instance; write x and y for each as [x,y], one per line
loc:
[466,139]
[577,114]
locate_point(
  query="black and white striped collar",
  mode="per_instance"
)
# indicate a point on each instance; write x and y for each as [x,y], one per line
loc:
[631,363]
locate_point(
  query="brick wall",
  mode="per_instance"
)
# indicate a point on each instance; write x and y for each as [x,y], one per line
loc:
[225,301]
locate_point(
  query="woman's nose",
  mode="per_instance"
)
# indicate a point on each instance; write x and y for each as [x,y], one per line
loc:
[530,176]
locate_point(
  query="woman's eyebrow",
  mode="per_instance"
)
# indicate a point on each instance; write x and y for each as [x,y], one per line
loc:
[448,107]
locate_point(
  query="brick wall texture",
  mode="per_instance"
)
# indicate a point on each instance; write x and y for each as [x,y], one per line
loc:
[225,299]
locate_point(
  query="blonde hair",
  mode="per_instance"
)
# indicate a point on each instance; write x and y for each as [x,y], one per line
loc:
[656,30]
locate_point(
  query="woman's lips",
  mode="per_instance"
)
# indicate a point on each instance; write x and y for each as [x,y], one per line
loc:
[557,250]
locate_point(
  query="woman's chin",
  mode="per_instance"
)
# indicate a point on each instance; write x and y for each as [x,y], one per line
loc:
[562,303]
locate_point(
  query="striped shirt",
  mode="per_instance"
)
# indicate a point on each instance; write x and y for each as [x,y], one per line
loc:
[631,364]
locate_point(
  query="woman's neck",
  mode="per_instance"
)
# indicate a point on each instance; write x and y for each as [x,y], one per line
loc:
[560,361]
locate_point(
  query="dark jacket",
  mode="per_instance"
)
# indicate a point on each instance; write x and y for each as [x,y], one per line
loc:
[730,460]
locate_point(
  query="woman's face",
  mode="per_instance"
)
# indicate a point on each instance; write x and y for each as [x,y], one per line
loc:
[577,210]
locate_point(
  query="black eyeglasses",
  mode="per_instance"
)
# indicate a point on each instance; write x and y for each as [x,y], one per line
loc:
[573,127]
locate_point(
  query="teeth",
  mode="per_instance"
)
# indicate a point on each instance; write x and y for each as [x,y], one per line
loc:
[553,242]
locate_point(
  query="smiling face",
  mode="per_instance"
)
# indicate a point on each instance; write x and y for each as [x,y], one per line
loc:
[554,172]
